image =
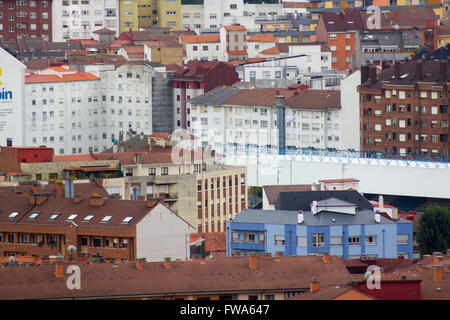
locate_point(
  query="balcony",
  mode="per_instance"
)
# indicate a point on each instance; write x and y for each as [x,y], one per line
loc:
[173,196]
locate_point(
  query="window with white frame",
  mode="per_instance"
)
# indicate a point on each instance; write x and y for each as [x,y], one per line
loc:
[402,238]
[354,241]
[336,241]
[371,240]
[279,240]
[318,240]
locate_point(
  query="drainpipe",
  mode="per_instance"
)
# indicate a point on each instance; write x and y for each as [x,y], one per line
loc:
[384,253]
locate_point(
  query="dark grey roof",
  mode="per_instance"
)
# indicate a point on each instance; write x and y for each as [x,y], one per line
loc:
[303,200]
[215,97]
[323,218]
[333,202]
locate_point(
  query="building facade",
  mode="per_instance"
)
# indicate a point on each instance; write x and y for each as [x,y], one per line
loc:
[137,14]
[404,109]
[332,226]
[79,19]
[25,19]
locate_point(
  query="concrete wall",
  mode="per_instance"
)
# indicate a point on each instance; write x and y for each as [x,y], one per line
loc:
[162,234]
[350,133]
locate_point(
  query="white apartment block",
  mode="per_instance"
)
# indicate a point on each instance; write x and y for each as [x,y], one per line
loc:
[248,117]
[79,112]
[214,14]
[202,47]
[77,19]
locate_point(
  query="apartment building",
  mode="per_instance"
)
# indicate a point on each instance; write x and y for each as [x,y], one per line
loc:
[227,117]
[78,19]
[137,14]
[212,15]
[233,39]
[25,19]
[169,14]
[328,226]
[194,79]
[202,47]
[49,224]
[404,109]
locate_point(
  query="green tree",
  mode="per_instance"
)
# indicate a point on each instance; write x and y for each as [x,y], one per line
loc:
[433,233]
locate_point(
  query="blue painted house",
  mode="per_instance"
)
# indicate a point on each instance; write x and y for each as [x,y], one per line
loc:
[331,225]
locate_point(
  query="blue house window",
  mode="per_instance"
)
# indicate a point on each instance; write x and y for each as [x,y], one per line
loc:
[250,237]
[371,240]
[301,242]
[318,240]
[402,238]
[235,236]
[354,241]
[279,240]
[335,241]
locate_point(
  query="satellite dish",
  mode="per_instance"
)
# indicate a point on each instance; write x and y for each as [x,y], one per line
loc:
[12,260]
[72,248]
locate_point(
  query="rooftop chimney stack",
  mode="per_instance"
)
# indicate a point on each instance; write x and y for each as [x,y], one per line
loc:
[419,70]
[364,73]
[373,75]
[253,261]
[140,263]
[315,285]
[326,257]
[314,207]
[437,273]
[59,189]
[380,202]
[59,269]
[167,263]
[397,69]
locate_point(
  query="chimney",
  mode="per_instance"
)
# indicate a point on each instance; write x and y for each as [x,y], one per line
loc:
[364,73]
[397,69]
[315,285]
[281,124]
[443,71]
[279,254]
[167,263]
[437,257]
[35,188]
[373,75]
[437,273]
[395,214]
[314,207]
[419,70]
[446,267]
[37,199]
[96,200]
[140,263]
[380,202]
[69,188]
[59,269]
[419,266]
[326,257]
[253,261]
[60,190]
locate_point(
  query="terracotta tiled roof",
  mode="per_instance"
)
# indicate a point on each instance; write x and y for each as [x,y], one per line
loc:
[257,97]
[73,157]
[443,30]
[343,21]
[160,135]
[201,38]
[332,292]
[315,99]
[235,28]
[79,76]
[224,274]
[237,52]
[272,191]
[273,50]
[214,241]
[104,31]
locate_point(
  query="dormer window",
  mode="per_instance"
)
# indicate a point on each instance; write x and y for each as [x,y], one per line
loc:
[13,214]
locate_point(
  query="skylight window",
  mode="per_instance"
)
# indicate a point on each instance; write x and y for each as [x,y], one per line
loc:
[54,216]
[106,219]
[13,214]
[34,215]
[88,218]
[127,219]
[72,217]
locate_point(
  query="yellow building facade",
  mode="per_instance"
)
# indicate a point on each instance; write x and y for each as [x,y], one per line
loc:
[169,14]
[136,14]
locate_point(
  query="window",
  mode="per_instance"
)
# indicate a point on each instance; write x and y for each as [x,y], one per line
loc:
[54,216]
[164,171]
[235,236]
[151,171]
[33,215]
[106,218]
[279,240]
[13,214]
[335,241]
[371,240]
[402,238]
[318,240]
[72,217]
[354,241]
[269,297]
[127,219]
[88,218]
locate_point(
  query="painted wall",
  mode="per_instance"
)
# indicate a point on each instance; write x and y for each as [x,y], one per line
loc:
[162,234]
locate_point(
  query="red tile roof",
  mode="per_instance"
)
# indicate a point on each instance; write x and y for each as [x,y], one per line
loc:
[257,97]
[104,31]
[339,180]
[214,241]
[262,37]
[343,21]
[224,274]
[235,28]
[273,50]
[79,76]
[201,38]
[332,292]
[315,99]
